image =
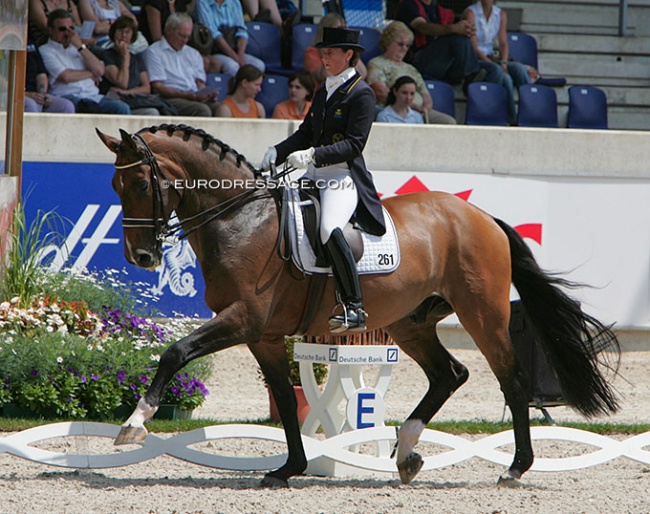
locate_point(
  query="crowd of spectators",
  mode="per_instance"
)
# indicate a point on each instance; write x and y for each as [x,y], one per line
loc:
[98,56]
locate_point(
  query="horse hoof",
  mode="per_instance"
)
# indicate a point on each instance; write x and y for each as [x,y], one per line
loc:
[131,435]
[271,482]
[509,479]
[410,467]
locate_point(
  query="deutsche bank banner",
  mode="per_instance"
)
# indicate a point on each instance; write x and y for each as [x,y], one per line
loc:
[334,354]
[81,194]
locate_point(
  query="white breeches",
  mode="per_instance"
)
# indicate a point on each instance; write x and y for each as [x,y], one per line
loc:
[338,197]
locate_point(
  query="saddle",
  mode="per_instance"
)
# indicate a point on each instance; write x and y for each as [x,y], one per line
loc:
[300,231]
[311,213]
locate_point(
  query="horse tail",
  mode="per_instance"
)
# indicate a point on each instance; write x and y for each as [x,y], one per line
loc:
[575,344]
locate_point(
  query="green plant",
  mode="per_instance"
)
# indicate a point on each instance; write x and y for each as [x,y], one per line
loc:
[21,271]
[78,359]
[89,365]
[320,370]
[60,358]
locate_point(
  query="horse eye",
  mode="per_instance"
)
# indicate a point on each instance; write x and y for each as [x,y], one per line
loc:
[143,186]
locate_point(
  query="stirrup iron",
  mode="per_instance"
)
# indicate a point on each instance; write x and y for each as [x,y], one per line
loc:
[353,318]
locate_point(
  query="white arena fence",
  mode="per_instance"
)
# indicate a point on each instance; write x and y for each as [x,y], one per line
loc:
[456,449]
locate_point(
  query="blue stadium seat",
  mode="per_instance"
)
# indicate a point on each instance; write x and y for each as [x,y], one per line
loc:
[219,81]
[369,38]
[522,48]
[587,108]
[537,106]
[486,104]
[275,89]
[303,36]
[264,42]
[442,94]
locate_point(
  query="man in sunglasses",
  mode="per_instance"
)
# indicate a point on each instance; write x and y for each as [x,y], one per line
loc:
[74,71]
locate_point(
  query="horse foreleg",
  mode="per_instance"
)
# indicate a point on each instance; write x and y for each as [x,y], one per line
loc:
[445,375]
[213,336]
[273,360]
[133,430]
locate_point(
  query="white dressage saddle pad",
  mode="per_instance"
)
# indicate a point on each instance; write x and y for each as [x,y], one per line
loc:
[380,254]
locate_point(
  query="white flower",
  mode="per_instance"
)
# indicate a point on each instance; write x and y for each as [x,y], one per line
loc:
[154,357]
[59,359]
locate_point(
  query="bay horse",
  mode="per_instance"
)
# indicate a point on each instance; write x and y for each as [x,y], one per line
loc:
[456,258]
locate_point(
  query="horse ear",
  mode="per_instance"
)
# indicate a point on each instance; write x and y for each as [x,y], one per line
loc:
[111,143]
[129,142]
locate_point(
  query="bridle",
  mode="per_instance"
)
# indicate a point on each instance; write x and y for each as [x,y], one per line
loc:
[158,223]
[174,232]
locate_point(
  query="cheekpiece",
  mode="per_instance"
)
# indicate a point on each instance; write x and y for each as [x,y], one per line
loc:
[340,38]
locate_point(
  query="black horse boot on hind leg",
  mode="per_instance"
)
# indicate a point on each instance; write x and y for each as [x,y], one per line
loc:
[344,268]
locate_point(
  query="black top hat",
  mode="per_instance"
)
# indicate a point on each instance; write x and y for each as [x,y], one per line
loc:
[340,38]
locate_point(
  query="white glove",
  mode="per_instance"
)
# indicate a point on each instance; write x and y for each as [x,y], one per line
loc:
[301,158]
[269,158]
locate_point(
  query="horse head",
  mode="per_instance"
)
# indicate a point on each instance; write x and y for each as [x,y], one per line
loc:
[146,196]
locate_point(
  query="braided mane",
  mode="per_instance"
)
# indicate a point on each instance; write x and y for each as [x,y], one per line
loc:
[207,140]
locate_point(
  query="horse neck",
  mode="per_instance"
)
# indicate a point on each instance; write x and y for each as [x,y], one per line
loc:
[210,183]
[206,178]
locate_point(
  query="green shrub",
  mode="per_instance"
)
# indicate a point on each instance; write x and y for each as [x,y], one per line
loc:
[89,365]
[65,357]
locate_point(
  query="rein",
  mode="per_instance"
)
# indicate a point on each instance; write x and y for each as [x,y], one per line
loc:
[165,230]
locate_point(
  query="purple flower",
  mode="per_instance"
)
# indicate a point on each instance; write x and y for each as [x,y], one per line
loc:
[83,379]
[34,373]
[121,376]
[144,379]
[94,376]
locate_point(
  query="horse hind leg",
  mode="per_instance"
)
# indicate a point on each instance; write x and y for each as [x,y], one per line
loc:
[488,327]
[445,374]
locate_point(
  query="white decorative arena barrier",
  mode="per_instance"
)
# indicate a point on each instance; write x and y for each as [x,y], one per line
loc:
[22,445]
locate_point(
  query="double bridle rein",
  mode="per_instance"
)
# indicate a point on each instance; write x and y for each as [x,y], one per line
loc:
[173,232]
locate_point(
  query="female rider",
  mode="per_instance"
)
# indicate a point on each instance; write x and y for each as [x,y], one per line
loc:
[327,148]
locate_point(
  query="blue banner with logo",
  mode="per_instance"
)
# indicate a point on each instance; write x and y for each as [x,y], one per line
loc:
[81,194]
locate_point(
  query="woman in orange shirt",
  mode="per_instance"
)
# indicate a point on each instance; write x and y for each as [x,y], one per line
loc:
[301,91]
[243,88]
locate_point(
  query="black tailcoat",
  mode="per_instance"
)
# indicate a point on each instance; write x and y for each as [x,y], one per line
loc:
[338,129]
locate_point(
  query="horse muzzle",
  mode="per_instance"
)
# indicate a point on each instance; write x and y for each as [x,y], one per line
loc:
[144,258]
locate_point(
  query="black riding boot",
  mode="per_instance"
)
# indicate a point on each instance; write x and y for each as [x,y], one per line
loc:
[344,268]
